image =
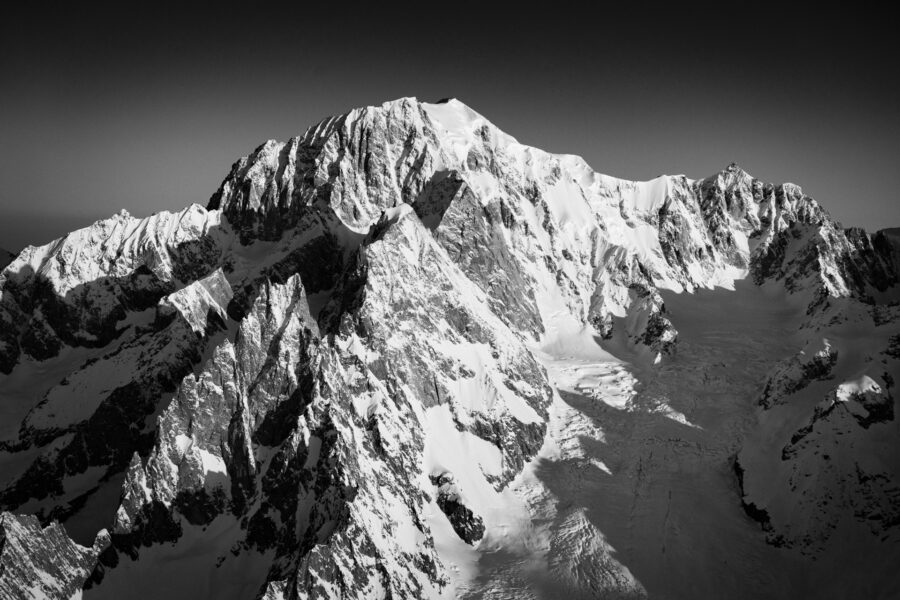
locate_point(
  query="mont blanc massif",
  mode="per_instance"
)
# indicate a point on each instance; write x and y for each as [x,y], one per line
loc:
[405,356]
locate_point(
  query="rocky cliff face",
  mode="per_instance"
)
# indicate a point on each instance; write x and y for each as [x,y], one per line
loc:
[38,562]
[332,381]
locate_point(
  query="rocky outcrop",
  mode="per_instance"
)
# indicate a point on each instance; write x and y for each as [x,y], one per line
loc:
[845,483]
[863,401]
[815,362]
[467,525]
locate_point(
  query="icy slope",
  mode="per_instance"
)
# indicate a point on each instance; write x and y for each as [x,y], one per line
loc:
[403,355]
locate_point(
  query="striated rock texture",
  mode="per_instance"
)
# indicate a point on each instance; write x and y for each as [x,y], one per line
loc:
[324,383]
[38,562]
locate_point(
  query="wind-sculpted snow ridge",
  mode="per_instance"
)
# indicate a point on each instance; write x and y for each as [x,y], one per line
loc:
[403,355]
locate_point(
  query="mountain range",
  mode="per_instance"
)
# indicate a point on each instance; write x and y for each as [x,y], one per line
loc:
[403,355]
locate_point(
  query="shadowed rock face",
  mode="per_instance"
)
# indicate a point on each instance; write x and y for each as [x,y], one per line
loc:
[302,388]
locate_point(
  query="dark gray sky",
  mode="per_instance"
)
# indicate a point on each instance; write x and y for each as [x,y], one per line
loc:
[110,107]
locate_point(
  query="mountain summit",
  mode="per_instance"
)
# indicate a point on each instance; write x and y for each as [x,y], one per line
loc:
[403,355]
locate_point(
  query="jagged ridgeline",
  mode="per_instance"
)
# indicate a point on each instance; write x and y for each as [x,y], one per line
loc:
[356,373]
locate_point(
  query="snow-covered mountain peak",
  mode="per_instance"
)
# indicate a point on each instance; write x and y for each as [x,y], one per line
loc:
[734,176]
[403,355]
[113,247]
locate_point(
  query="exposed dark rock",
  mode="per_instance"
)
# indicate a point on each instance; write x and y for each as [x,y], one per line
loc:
[467,525]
